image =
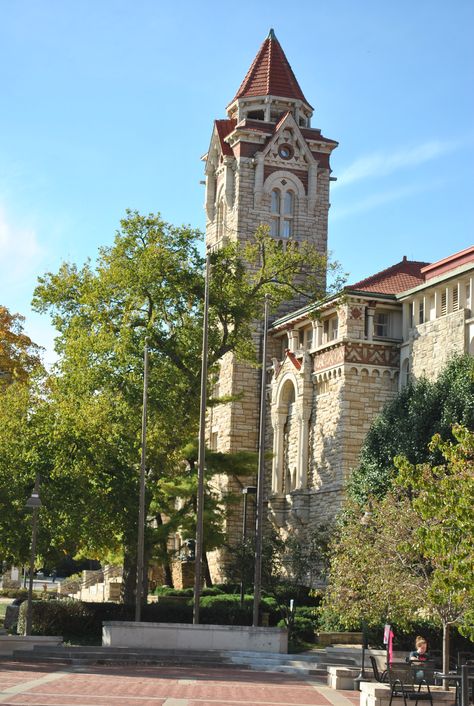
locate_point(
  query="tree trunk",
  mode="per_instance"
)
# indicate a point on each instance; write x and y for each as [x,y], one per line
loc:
[445,652]
[207,573]
[168,576]
[129,578]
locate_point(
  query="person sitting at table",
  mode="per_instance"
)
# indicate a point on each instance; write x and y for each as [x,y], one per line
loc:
[420,654]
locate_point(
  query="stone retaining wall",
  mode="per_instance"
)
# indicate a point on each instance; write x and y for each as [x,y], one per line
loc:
[182,636]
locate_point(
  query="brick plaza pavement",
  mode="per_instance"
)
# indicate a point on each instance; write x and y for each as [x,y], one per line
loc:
[50,685]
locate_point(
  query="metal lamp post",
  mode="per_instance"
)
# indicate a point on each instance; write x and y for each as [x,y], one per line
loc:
[365,521]
[261,472]
[34,503]
[201,450]
[248,490]
[141,501]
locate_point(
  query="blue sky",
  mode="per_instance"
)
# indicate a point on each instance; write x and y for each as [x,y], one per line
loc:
[108,105]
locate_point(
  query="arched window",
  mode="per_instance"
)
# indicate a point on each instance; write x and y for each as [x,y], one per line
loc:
[282,209]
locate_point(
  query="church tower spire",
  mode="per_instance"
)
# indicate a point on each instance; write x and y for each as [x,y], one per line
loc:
[270,87]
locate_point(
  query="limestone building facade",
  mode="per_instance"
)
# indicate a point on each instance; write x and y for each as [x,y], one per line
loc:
[334,363]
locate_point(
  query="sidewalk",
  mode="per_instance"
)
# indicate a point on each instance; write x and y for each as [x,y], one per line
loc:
[48,685]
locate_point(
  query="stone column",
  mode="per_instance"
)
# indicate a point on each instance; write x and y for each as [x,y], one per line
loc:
[278,423]
[303,434]
[370,323]
[258,188]
[318,328]
[437,295]
[312,186]
[293,340]
[210,194]
[405,320]
[229,181]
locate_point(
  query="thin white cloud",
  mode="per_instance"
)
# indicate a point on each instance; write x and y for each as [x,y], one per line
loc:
[380,164]
[379,199]
[20,251]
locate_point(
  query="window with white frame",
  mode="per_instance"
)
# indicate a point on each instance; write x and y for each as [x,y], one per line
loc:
[381,324]
[330,329]
[421,311]
[282,208]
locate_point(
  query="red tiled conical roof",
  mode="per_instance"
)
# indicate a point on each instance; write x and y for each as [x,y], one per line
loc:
[404,275]
[271,74]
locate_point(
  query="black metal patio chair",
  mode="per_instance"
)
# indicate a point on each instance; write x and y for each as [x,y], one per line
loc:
[380,676]
[405,683]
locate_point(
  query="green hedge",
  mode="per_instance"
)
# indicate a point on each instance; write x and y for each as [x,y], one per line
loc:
[70,618]
[78,620]
[167,591]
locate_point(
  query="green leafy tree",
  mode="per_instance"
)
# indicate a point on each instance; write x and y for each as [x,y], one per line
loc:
[407,424]
[175,503]
[148,285]
[413,557]
[19,356]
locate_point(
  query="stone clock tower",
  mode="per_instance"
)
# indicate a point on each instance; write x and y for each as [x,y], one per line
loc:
[265,164]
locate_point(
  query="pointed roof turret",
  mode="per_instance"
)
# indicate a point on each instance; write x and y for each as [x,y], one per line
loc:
[271,74]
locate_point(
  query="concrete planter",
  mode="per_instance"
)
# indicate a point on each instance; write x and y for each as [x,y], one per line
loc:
[374,694]
[182,636]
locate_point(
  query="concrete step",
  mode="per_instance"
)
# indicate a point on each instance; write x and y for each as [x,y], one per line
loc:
[313,663]
[114,655]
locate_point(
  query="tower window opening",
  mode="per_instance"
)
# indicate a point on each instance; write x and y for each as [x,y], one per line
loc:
[282,207]
[256,115]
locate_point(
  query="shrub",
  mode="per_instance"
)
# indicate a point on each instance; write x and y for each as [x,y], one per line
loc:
[168,612]
[16,593]
[226,610]
[167,591]
[70,618]
[302,629]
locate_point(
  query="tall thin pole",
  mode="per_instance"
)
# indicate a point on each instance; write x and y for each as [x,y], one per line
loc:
[244,537]
[261,474]
[141,504]
[35,503]
[202,450]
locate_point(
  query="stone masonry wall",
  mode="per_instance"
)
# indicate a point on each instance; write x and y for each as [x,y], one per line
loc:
[435,342]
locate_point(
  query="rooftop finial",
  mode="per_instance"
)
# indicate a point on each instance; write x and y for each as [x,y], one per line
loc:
[271,34]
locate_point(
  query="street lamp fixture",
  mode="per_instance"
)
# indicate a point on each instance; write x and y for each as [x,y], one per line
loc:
[34,503]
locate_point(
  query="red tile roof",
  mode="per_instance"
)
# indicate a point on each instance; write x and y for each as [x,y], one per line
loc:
[224,128]
[404,275]
[270,74]
[449,263]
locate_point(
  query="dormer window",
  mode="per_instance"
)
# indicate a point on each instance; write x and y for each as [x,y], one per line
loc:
[282,207]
